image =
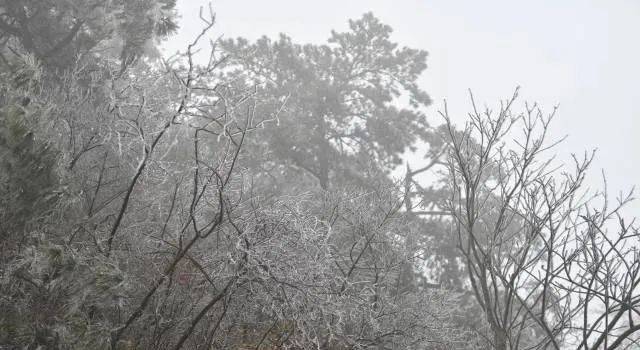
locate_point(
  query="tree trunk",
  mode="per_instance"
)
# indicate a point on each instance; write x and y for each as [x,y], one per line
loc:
[324,149]
[499,338]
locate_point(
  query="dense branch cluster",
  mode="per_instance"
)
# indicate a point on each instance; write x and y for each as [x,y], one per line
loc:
[550,265]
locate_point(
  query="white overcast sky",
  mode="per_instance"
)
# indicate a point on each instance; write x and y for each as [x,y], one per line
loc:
[582,55]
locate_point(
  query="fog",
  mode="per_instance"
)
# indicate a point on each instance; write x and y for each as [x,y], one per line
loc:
[360,175]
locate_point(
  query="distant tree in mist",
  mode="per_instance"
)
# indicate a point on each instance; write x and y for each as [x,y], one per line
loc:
[342,114]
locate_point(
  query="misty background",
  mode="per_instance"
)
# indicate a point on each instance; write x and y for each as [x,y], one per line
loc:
[580,55]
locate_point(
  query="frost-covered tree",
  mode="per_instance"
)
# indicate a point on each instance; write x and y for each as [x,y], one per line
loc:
[137,222]
[61,32]
[551,265]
